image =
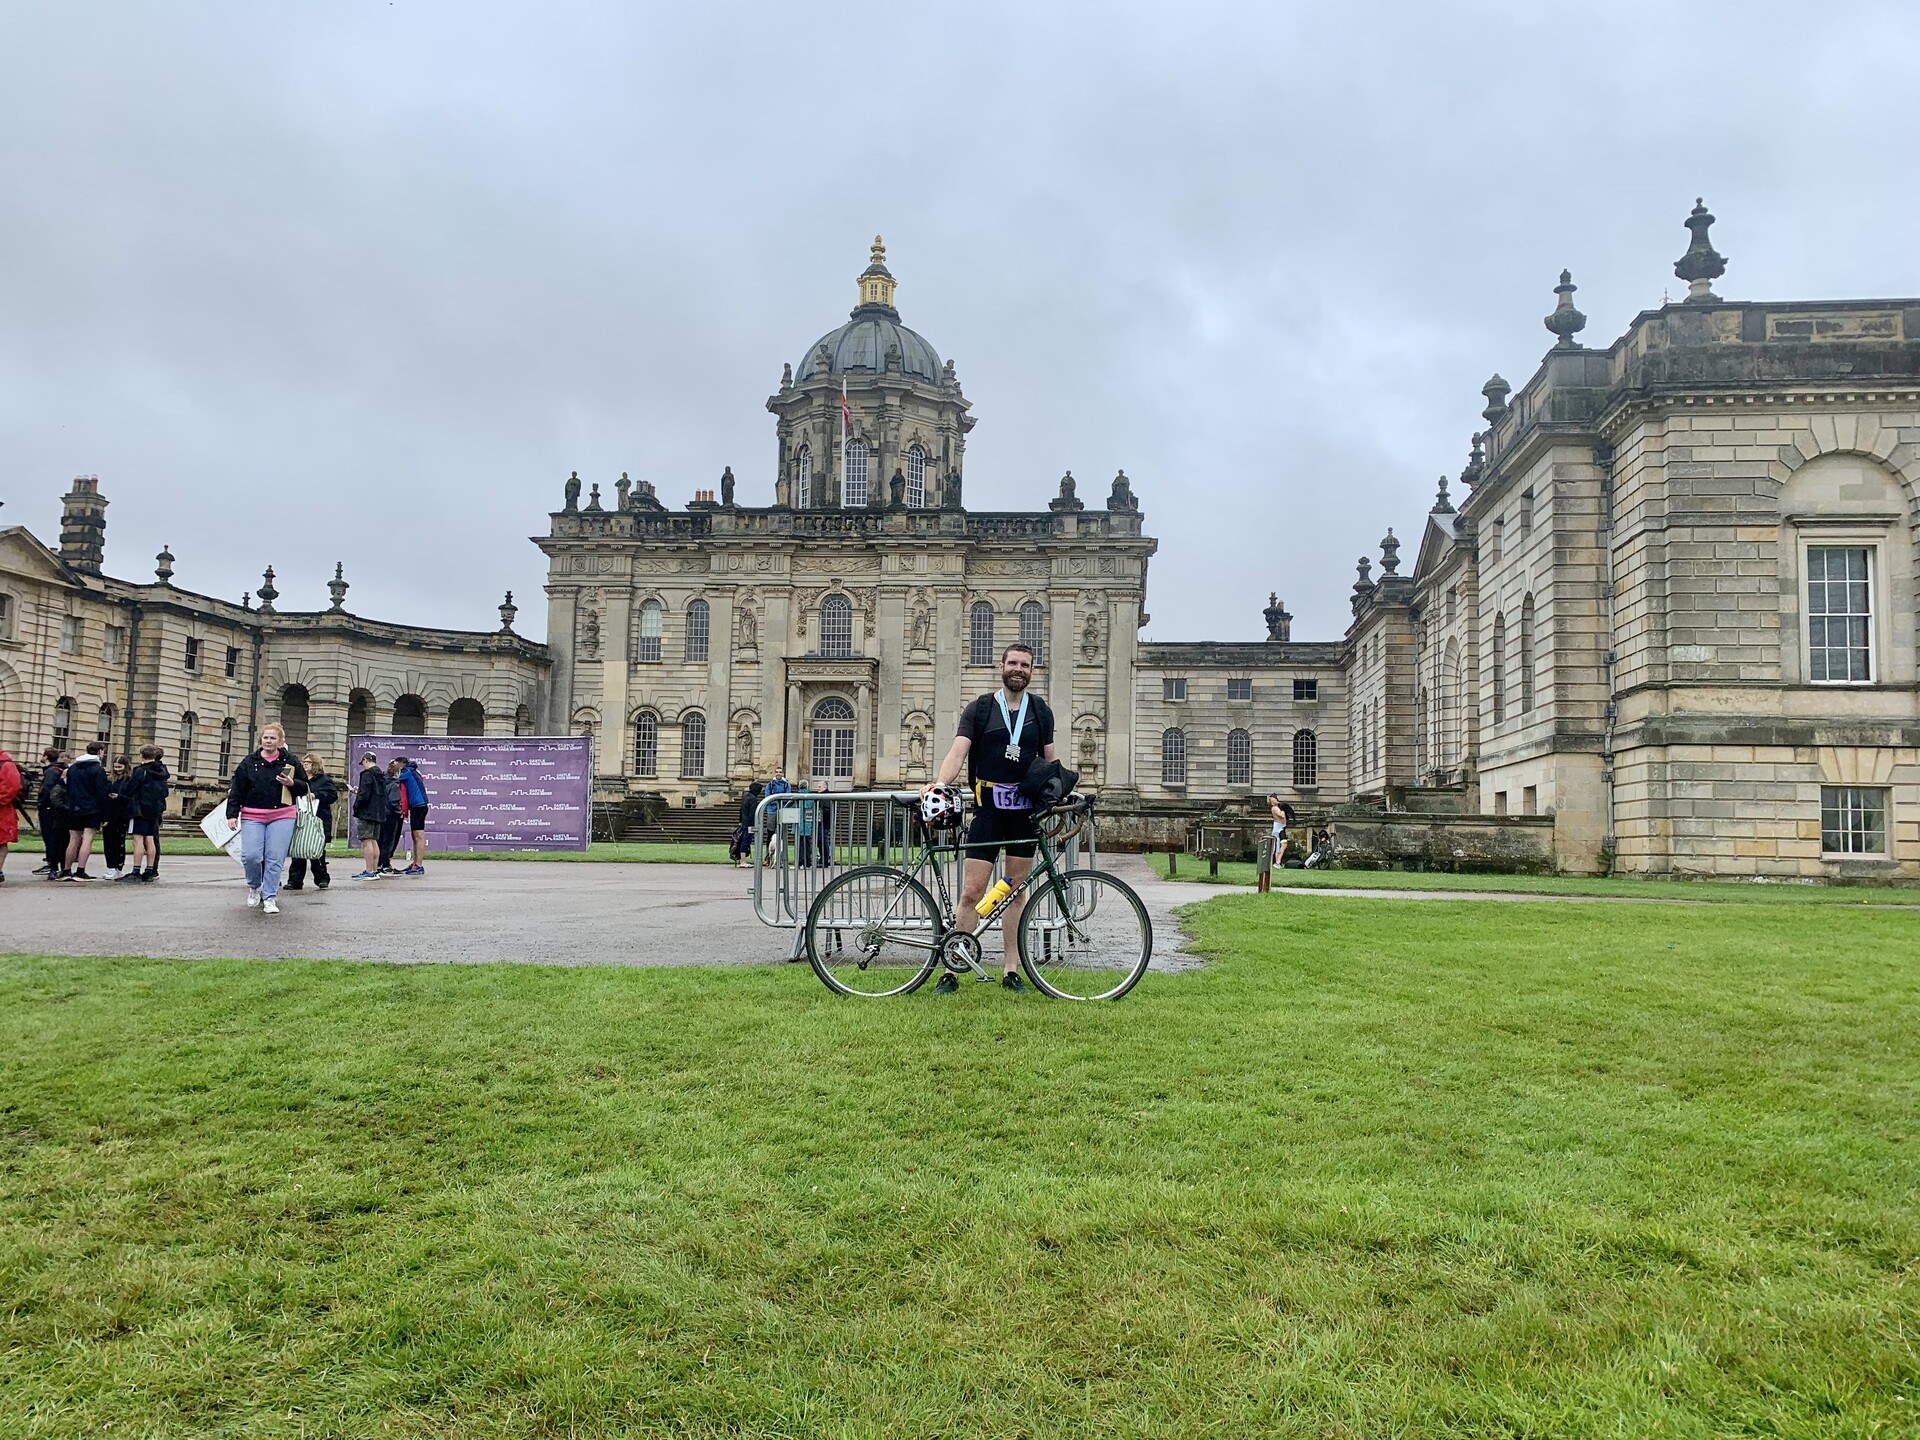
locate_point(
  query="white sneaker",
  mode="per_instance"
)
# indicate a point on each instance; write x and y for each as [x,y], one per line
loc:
[113,874]
[253,897]
[272,907]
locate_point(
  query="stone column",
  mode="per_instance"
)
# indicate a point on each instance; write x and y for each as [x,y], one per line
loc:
[1123,635]
[890,639]
[616,624]
[863,777]
[558,719]
[791,709]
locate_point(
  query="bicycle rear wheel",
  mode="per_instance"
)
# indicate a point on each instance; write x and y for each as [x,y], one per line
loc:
[1084,936]
[873,932]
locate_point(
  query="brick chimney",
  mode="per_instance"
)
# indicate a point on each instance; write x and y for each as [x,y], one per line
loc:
[83,525]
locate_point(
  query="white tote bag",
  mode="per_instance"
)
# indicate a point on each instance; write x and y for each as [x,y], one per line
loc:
[222,832]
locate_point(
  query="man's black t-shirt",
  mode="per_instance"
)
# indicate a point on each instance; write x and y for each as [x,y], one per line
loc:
[987,758]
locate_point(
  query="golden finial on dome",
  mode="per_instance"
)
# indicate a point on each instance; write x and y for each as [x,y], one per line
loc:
[879,253]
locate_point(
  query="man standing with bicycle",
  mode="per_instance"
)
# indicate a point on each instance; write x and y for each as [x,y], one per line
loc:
[999,737]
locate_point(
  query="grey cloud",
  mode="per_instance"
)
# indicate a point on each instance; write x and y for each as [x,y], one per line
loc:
[400,268]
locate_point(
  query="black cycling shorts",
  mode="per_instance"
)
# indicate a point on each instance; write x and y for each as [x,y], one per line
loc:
[417,818]
[992,831]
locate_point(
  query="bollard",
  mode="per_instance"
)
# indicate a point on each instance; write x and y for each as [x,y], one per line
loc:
[1173,863]
[1265,881]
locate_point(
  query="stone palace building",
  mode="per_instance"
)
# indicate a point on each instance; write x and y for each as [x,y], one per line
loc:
[1669,626]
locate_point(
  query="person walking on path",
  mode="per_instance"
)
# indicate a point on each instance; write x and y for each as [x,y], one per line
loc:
[265,785]
[1282,814]
[324,792]
[1000,736]
[11,783]
[88,798]
[52,805]
[147,790]
[113,834]
[742,847]
[396,817]
[370,814]
[414,790]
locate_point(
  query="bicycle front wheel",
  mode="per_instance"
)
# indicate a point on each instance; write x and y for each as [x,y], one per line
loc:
[873,932]
[1084,936]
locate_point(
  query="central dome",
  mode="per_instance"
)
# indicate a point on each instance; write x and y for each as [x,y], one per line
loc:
[873,341]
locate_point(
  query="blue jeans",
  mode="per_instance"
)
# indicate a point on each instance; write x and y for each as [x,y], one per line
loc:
[263,850]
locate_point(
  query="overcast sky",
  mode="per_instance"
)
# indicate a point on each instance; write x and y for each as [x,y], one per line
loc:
[363,282]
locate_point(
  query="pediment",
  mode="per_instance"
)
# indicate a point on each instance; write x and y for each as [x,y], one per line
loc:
[21,553]
[1437,544]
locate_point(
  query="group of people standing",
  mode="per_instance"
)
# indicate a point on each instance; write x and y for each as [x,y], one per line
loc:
[84,798]
[810,848]
[270,789]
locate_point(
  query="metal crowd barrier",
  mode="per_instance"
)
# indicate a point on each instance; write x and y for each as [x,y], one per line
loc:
[802,840]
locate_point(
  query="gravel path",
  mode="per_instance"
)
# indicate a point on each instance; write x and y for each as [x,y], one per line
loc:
[460,912]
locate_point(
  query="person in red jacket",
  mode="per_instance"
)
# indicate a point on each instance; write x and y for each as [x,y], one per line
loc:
[10,783]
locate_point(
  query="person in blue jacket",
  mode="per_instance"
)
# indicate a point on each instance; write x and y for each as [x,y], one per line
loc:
[416,807]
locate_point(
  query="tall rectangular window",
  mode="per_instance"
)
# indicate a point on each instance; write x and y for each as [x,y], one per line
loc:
[193,654]
[1240,689]
[1239,758]
[113,645]
[699,619]
[980,634]
[6,617]
[233,661]
[1839,614]
[1853,820]
[853,488]
[70,635]
[647,638]
[1033,627]
[1173,757]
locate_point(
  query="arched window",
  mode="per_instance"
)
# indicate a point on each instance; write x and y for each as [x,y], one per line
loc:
[1526,655]
[1452,728]
[466,717]
[698,617]
[832,747]
[693,745]
[1239,758]
[1499,668]
[803,478]
[836,626]
[652,622]
[189,732]
[646,744]
[63,723]
[916,478]
[980,634]
[853,485]
[1306,760]
[409,715]
[226,746]
[295,705]
[1033,627]
[359,714]
[105,731]
[1173,757]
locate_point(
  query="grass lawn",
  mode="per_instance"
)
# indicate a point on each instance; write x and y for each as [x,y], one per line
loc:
[1377,1170]
[661,852]
[1236,872]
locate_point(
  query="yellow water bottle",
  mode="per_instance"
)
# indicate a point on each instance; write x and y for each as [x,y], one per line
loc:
[992,898]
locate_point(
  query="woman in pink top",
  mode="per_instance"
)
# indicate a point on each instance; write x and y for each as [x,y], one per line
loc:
[265,785]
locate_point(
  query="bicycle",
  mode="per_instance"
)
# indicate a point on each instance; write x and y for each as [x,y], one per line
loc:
[877,931]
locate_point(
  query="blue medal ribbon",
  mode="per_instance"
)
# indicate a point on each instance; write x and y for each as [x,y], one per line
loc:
[1013,725]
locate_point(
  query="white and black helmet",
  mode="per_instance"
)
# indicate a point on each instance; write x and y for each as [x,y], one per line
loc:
[942,806]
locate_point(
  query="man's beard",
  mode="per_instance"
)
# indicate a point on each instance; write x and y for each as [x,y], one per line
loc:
[1013,681]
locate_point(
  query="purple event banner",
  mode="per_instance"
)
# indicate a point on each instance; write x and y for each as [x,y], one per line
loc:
[494,792]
